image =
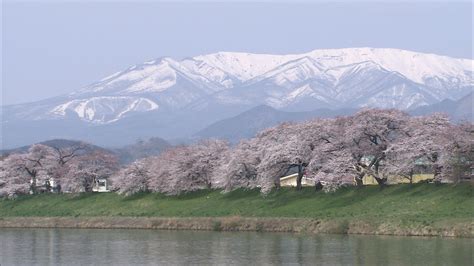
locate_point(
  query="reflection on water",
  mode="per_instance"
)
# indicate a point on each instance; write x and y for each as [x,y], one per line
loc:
[124,247]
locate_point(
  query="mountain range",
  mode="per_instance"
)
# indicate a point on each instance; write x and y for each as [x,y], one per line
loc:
[250,122]
[173,98]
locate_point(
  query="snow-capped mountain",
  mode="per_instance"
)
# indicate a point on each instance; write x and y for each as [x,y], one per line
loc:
[203,89]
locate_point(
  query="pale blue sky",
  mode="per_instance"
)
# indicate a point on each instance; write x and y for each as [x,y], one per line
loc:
[52,48]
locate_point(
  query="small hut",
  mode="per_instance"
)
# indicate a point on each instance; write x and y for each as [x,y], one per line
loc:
[100,185]
[290,181]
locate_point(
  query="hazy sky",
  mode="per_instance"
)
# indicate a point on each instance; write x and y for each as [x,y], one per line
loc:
[52,48]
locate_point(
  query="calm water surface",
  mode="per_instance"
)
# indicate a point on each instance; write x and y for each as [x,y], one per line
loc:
[132,247]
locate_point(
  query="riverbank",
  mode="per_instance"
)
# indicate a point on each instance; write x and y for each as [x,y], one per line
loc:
[421,209]
[268,224]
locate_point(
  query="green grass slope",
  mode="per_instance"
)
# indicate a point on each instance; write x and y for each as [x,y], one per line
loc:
[422,203]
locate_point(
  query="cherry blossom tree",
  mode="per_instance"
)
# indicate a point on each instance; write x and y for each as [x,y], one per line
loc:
[35,164]
[22,172]
[333,151]
[435,140]
[462,150]
[297,145]
[330,160]
[132,179]
[14,179]
[177,170]
[238,168]
[273,152]
[75,168]
[61,164]
[80,173]
[190,167]
[281,150]
[162,171]
[367,136]
[196,164]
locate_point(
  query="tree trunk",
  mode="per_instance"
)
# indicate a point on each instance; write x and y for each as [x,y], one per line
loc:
[437,173]
[32,174]
[33,186]
[299,178]
[277,185]
[381,181]
[359,179]
[318,186]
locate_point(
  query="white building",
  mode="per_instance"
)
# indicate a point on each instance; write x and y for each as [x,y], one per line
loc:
[100,185]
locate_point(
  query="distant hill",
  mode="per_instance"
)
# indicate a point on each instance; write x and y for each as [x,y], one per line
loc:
[58,143]
[461,109]
[126,154]
[248,123]
[141,149]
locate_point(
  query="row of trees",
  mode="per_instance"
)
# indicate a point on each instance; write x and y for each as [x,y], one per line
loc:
[341,151]
[74,168]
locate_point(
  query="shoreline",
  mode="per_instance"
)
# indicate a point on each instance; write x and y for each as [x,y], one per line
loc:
[237,223]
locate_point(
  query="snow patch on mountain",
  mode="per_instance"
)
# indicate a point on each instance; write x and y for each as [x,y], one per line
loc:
[152,78]
[292,72]
[413,65]
[104,109]
[399,96]
[245,66]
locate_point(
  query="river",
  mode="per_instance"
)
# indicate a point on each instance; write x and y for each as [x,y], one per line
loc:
[131,247]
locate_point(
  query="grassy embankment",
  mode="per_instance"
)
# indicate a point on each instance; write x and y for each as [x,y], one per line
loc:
[419,209]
